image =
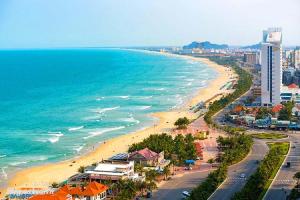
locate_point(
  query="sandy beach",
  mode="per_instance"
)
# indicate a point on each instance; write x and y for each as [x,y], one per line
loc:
[44,175]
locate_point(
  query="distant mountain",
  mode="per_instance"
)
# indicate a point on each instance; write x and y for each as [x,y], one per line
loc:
[205,45]
[254,46]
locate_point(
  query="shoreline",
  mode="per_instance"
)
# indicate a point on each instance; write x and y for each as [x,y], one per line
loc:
[60,171]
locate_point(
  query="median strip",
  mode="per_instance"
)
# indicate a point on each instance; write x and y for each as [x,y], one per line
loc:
[258,183]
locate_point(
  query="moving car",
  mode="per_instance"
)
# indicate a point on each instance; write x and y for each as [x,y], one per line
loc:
[185,195]
[243,175]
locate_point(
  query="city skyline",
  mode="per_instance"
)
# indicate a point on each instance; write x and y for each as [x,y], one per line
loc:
[77,23]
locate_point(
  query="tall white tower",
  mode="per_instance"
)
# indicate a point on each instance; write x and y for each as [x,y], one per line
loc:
[271,67]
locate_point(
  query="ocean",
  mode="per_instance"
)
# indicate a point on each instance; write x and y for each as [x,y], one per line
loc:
[57,103]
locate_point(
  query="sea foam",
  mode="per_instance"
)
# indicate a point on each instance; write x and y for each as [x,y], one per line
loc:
[75,128]
[103,110]
[101,131]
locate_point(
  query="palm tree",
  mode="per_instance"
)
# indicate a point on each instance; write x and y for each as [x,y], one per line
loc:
[81,169]
[151,175]
[138,168]
[297,177]
[151,185]
[141,186]
[166,172]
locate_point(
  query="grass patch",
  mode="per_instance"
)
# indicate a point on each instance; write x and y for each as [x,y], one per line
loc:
[283,146]
[269,135]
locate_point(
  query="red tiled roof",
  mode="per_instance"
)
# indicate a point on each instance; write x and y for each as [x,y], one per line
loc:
[92,189]
[49,197]
[146,153]
[277,108]
[293,86]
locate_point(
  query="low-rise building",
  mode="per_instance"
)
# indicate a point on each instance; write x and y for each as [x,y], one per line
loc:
[149,158]
[112,170]
[93,191]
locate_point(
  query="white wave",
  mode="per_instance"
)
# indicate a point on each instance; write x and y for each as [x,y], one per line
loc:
[2,156]
[143,107]
[102,130]
[189,79]
[99,98]
[75,128]
[17,163]
[130,120]
[39,158]
[95,117]
[123,97]
[56,136]
[203,82]
[4,174]
[103,110]
[28,160]
[53,137]
[146,97]
[58,133]
[189,84]
[155,89]
[78,148]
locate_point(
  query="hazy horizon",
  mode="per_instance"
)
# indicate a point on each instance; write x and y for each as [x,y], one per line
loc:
[121,23]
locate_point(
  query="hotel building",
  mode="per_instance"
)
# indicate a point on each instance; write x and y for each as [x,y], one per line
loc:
[271,67]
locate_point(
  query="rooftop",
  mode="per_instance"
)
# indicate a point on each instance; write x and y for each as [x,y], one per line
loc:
[146,153]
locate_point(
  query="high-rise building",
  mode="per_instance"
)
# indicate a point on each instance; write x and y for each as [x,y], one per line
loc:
[251,58]
[287,77]
[297,58]
[271,66]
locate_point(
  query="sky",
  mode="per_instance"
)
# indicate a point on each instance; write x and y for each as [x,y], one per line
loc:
[98,23]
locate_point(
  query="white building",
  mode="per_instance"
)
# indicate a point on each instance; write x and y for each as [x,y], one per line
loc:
[297,58]
[271,66]
[113,170]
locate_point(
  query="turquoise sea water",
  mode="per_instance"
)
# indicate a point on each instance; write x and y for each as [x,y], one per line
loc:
[58,103]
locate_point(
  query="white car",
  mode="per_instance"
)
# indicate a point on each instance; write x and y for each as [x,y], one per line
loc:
[185,195]
[243,175]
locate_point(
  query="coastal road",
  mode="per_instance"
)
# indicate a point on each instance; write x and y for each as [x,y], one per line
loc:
[284,182]
[173,188]
[248,166]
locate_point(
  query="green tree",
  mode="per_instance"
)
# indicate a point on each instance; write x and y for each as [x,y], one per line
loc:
[180,150]
[182,123]
[262,113]
[286,112]
[54,185]
[81,169]
[128,189]
[297,177]
[151,175]
[166,172]
[190,147]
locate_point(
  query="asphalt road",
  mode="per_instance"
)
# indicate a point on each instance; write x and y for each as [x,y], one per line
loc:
[248,166]
[284,182]
[172,189]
